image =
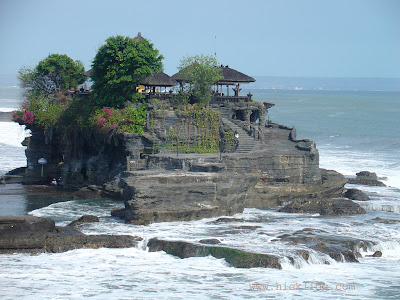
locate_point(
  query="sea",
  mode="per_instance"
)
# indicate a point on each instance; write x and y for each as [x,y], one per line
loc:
[355,125]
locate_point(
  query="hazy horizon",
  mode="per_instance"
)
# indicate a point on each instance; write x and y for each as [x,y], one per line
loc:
[288,38]
[291,83]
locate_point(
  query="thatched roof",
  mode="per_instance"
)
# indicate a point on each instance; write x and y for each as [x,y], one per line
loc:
[88,73]
[231,76]
[182,76]
[158,79]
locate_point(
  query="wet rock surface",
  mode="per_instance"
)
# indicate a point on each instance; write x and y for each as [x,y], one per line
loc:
[236,258]
[337,247]
[334,207]
[268,194]
[366,178]
[163,196]
[84,219]
[356,194]
[28,234]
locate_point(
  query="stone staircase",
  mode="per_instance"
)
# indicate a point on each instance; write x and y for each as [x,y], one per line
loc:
[246,142]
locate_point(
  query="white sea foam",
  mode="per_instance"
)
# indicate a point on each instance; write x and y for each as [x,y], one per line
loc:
[349,162]
[7,109]
[12,134]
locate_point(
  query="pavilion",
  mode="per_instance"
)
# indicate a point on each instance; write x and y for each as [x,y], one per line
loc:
[230,77]
[153,84]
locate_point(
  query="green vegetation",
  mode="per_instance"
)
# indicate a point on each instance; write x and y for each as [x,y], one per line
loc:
[46,88]
[55,73]
[197,132]
[123,120]
[50,99]
[201,71]
[118,67]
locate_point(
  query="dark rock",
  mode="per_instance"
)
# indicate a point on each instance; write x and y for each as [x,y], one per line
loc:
[366,178]
[163,196]
[89,192]
[247,227]
[347,255]
[337,247]
[210,241]
[356,194]
[377,254]
[305,254]
[14,176]
[227,220]
[21,224]
[337,207]
[28,234]
[236,258]
[84,219]
[215,167]
[118,212]
[367,175]
[269,194]
[386,221]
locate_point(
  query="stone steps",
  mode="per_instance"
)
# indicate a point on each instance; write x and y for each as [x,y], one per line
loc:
[246,142]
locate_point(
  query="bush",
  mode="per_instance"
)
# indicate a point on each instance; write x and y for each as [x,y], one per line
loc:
[125,120]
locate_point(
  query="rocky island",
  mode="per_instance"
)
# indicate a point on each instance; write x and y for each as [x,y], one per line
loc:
[170,155]
[265,166]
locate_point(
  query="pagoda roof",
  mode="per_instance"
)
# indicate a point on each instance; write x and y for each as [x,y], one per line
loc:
[159,79]
[88,73]
[231,76]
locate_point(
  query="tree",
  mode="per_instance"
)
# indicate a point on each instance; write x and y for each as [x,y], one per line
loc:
[201,71]
[45,96]
[118,67]
[55,73]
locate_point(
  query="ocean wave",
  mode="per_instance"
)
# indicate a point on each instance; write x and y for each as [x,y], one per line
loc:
[7,109]
[12,134]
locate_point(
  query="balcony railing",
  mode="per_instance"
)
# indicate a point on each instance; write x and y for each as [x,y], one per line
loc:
[216,99]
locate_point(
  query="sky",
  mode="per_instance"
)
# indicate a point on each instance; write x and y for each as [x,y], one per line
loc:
[295,38]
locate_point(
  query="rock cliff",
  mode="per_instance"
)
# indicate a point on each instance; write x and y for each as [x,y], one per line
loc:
[265,165]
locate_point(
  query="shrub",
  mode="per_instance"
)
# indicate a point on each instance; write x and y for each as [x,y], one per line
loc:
[125,120]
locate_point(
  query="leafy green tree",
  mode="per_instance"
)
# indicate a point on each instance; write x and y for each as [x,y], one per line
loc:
[55,73]
[118,67]
[201,71]
[45,96]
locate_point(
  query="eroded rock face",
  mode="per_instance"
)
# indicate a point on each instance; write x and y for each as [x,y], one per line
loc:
[267,194]
[335,207]
[236,258]
[160,196]
[28,234]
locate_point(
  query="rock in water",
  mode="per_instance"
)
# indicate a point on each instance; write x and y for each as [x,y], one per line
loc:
[28,234]
[366,178]
[84,219]
[163,196]
[210,241]
[336,207]
[236,258]
[356,194]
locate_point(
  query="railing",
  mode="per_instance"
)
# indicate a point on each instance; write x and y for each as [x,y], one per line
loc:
[160,96]
[216,99]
